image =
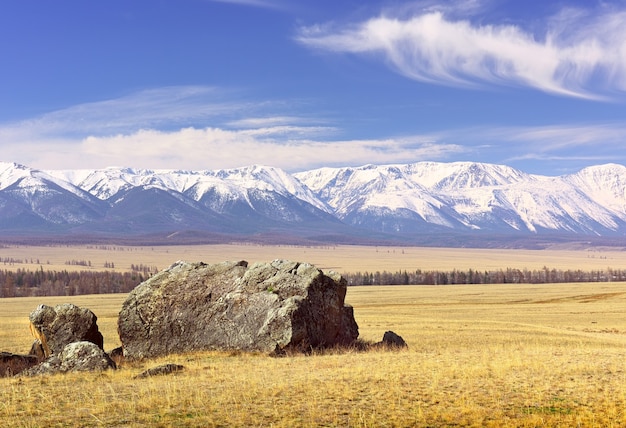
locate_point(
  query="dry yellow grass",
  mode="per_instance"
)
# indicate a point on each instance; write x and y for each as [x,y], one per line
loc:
[495,355]
[342,258]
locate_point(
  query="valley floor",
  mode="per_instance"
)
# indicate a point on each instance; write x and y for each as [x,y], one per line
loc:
[341,258]
[479,355]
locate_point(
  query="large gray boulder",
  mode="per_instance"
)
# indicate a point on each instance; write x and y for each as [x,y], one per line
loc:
[56,327]
[266,307]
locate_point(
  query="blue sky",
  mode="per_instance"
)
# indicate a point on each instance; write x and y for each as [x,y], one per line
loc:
[206,84]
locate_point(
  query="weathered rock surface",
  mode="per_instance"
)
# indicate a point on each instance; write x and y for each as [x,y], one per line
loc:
[12,364]
[266,307]
[76,356]
[56,327]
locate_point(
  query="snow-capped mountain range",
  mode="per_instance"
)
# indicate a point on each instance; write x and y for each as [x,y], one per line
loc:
[382,201]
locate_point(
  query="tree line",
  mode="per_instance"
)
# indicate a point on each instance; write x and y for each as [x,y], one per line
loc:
[40,282]
[34,283]
[502,276]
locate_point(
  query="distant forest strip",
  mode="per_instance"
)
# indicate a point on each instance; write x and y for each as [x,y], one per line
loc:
[40,282]
[502,276]
[12,261]
[34,283]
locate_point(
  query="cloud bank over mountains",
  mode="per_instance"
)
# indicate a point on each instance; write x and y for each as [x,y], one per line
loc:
[162,128]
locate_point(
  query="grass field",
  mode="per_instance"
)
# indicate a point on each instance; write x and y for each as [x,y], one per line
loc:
[495,355]
[341,258]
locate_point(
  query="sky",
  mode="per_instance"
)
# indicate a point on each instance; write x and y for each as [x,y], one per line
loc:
[216,84]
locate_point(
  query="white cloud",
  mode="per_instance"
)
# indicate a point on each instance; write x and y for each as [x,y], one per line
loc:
[257,122]
[578,54]
[215,148]
[140,131]
[297,148]
[168,128]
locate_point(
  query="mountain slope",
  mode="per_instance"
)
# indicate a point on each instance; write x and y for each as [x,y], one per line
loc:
[465,196]
[243,200]
[32,199]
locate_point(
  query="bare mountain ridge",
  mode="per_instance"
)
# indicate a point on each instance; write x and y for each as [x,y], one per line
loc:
[381,202]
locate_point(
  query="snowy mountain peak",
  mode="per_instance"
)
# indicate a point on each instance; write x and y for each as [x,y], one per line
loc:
[605,184]
[268,179]
[10,172]
[400,199]
[476,196]
[463,175]
[12,166]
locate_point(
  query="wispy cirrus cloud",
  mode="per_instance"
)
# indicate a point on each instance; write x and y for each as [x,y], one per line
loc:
[597,143]
[576,53]
[565,146]
[565,137]
[197,128]
[204,128]
[174,106]
[257,122]
[267,4]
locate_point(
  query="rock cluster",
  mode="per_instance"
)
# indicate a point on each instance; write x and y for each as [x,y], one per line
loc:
[55,327]
[67,338]
[269,307]
[266,307]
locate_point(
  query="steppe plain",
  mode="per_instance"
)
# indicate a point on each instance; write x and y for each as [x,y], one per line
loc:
[341,258]
[479,355]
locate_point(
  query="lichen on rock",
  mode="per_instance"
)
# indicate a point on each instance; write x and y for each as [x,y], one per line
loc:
[264,307]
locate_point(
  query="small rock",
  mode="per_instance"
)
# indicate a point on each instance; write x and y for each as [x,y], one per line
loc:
[160,370]
[392,340]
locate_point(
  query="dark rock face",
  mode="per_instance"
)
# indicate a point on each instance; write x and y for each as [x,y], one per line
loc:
[76,356]
[12,364]
[59,326]
[37,350]
[392,340]
[266,307]
[117,355]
